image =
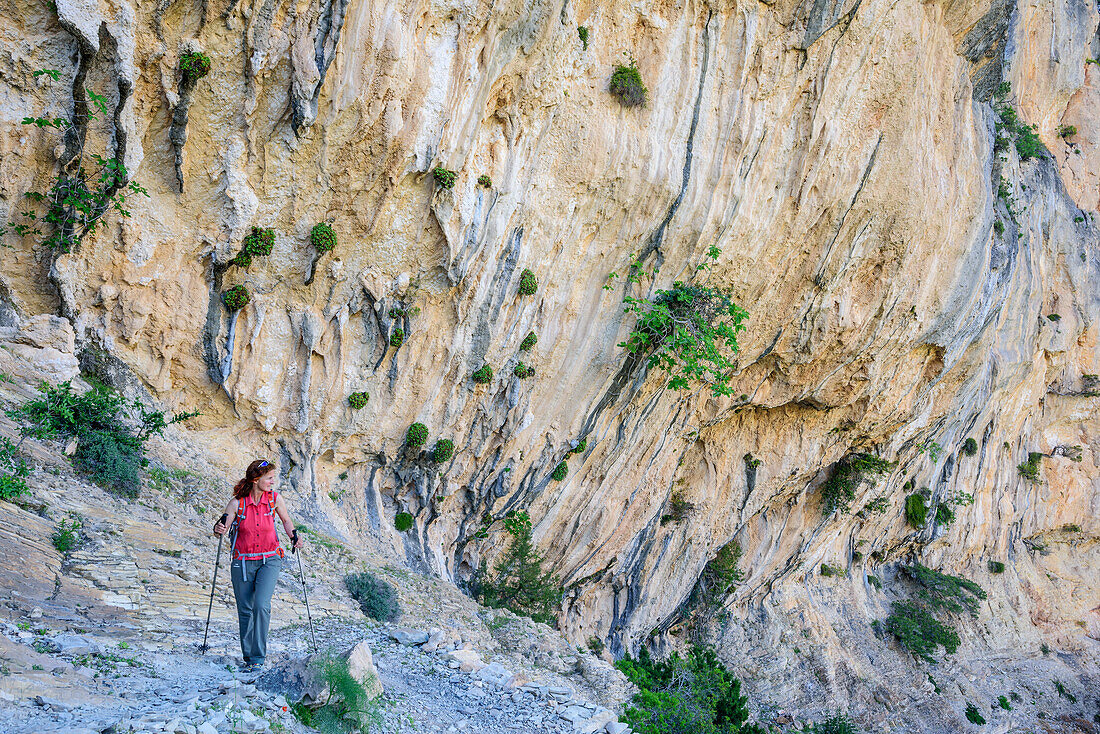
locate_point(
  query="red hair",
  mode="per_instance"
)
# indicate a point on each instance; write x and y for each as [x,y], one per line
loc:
[255,470]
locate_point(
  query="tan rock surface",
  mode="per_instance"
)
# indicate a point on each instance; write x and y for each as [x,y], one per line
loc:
[841,157]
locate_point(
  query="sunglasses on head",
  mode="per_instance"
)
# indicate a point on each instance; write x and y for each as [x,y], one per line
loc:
[262,464]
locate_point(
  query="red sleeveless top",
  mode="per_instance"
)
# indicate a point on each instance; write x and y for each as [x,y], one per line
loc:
[256,535]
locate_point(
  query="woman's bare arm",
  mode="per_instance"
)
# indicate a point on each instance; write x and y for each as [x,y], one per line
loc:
[288,526]
[222,525]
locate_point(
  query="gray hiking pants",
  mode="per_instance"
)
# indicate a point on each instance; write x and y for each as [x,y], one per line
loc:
[253,585]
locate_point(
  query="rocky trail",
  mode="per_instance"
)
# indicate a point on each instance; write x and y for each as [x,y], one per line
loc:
[105,636]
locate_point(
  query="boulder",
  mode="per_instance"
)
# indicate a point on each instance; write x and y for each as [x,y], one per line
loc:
[361,667]
[408,636]
[298,680]
[41,348]
[465,660]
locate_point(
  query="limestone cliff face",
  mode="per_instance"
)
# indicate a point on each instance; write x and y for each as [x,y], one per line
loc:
[841,155]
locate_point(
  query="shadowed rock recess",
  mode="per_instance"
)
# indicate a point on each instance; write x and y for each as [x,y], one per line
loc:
[921,285]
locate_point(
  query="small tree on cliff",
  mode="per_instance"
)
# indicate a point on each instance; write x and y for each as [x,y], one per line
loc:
[686,331]
[518,582]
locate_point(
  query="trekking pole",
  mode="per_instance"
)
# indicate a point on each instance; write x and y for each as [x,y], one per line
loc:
[213,586]
[302,576]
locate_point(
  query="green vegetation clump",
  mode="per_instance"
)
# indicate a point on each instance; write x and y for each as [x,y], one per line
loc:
[579,448]
[916,510]
[350,708]
[827,570]
[66,536]
[1026,137]
[595,644]
[944,591]
[837,723]
[13,471]
[403,521]
[523,371]
[1054,317]
[194,66]
[397,338]
[626,84]
[1067,131]
[1002,701]
[445,178]
[1063,692]
[258,243]
[528,283]
[970,447]
[358,400]
[79,195]
[996,567]
[484,181]
[678,509]
[751,461]
[444,449]
[919,632]
[111,431]
[559,471]
[235,298]
[528,341]
[692,695]
[1029,470]
[483,375]
[973,715]
[582,33]
[874,581]
[323,238]
[416,435]
[839,489]
[944,514]
[518,582]
[686,331]
[719,576]
[376,597]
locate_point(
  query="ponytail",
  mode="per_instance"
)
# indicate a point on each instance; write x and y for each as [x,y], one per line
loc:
[255,470]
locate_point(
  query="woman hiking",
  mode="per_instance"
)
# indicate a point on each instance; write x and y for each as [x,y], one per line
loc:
[257,555]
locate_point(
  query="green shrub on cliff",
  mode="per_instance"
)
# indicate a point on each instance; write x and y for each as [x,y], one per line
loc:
[444,449]
[559,471]
[194,66]
[528,283]
[518,582]
[838,491]
[323,238]
[358,400]
[627,86]
[1029,470]
[13,471]
[235,298]
[685,695]
[416,435]
[528,341]
[444,177]
[483,375]
[377,598]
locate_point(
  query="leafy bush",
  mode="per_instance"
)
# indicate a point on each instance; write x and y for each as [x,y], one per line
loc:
[916,510]
[719,576]
[559,471]
[1067,131]
[235,298]
[528,341]
[996,567]
[1029,470]
[839,489]
[445,178]
[595,644]
[678,509]
[323,238]
[582,33]
[444,449]
[970,447]
[483,375]
[944,514]
[692,695]
[1028,144]
[1002,701]
[110,447]
[838,723]
[944,591]
[350,707]
[626,84]
[528,283]
[258,243]
[416,435]
[484,181]
[358,400]
[919,632]
[579,448]
[1054,317]
[79,197]
[397,338]
[403,521]
[874,581]
[973,715]
[523,371]
[194,66]
[684,330]
[827,570]
[377,597]
[518,582]
[66,537]
[13,471]
[751,461]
